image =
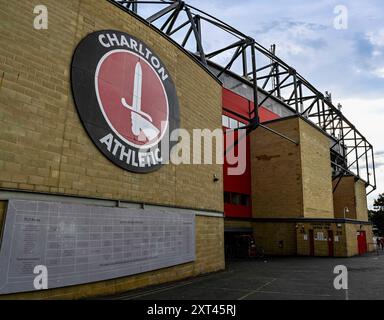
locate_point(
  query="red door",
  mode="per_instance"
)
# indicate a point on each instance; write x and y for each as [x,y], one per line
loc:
[330,243]
[311,243]
[362,242]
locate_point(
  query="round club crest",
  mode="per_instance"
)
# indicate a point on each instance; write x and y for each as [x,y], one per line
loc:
[126,99]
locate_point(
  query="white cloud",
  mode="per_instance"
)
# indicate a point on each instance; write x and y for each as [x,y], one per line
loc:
[376,37]
[379,72]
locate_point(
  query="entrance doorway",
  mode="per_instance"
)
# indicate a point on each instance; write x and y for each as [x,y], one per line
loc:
[362,242]
[238,243]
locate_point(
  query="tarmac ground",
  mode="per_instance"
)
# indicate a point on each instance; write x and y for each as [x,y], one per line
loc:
[281,278]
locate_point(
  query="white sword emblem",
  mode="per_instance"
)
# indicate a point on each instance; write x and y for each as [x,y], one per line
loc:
[141,121]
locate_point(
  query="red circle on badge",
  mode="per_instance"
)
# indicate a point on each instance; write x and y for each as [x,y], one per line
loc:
[132,98]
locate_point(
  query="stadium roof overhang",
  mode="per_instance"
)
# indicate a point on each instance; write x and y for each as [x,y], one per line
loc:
[194,31]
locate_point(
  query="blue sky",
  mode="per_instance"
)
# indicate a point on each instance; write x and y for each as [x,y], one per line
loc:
[349,62]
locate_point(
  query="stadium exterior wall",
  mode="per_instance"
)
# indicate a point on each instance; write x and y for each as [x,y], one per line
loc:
[44,148]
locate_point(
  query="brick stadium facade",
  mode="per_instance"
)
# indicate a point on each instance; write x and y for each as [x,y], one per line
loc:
[294,207]
[284,198]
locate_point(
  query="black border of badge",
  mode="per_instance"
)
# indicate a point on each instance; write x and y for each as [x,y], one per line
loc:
[83,69]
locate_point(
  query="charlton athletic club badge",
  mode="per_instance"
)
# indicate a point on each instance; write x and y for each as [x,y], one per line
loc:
[126,99]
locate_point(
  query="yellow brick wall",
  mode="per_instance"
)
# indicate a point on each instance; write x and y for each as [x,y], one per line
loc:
[269,235]
[340,248]
[316,172]
[209,258]
[276,172]
[352,247]
[237,224]
[44,147]
[371,245]
[361,201]
[344,197]
[351,193]
[43,144]
[290,180]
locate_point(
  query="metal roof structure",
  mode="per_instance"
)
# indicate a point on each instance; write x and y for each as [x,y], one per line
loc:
[193,30]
